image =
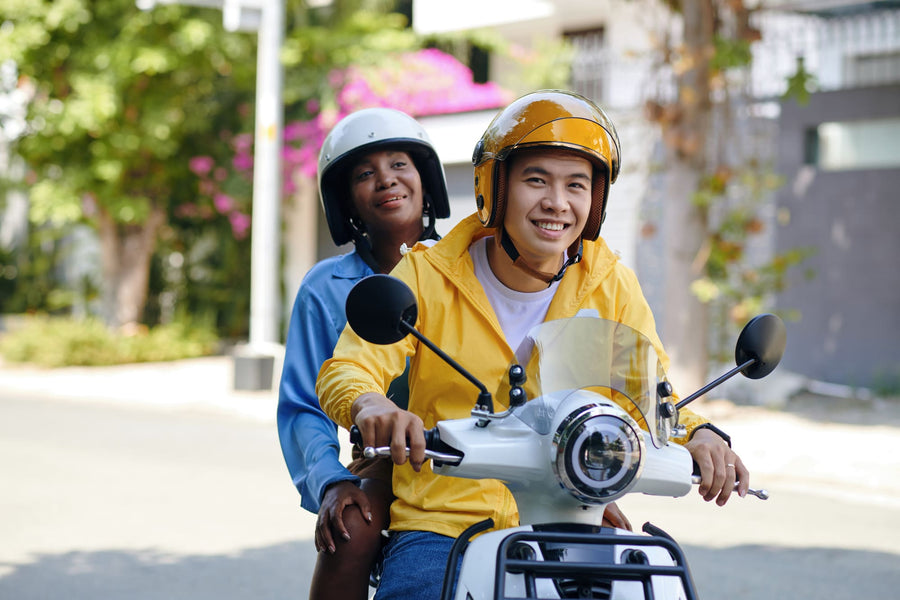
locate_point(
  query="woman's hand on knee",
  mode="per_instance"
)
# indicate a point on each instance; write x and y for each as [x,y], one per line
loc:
[330,522]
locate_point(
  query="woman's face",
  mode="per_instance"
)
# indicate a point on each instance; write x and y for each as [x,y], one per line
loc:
[386,190]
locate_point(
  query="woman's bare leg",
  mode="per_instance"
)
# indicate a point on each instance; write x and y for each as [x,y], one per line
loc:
[344,575]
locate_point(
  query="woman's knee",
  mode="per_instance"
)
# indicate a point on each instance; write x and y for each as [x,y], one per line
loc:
[365,536]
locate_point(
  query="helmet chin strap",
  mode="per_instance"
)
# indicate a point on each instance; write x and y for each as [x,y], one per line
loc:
[574,256]
[364,249]
[428,233]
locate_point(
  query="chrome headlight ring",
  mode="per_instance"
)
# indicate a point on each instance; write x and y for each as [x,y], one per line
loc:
[599,453]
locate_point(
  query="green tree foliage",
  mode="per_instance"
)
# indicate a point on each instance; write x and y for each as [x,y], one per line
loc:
[120,100]
[331,38]
[122,104]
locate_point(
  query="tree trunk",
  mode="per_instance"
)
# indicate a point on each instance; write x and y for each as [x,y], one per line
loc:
[126,251]
[685,330]
[686,322]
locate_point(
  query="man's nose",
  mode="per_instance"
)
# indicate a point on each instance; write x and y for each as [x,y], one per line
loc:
[554,199]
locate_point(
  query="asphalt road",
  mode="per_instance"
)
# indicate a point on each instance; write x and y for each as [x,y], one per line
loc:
[102,502]
[99,501]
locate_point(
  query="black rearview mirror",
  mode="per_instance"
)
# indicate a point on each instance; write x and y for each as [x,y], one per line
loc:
[762,339]
[758,351]
[381,309]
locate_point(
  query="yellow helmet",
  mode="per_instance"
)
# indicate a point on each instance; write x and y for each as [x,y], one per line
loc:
[551,119]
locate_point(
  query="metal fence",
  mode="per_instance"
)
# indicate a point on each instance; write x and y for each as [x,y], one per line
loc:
[839,52]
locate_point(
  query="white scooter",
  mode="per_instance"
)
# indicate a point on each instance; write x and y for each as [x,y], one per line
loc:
[598,426]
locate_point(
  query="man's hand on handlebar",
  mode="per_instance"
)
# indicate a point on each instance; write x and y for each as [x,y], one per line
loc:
[720,467]
[382,423]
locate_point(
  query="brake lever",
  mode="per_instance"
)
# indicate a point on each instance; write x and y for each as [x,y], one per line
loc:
[761,494]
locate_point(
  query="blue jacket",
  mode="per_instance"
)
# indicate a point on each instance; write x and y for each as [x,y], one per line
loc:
[308,437]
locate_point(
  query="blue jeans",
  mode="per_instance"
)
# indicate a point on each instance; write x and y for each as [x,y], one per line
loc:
[413,566]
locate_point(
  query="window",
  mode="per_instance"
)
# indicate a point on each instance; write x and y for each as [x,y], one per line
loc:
[863,144]
[480,63]
[589,63]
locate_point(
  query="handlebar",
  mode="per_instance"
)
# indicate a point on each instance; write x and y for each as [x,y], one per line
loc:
[438,457]
[435,450]
[442,454]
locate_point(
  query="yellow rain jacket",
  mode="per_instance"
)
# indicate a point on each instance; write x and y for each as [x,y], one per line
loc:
[455,314]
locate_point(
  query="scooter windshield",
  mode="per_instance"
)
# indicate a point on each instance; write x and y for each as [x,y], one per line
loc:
[610,358]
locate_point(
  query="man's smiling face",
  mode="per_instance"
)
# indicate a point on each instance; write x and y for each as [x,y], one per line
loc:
[548,202]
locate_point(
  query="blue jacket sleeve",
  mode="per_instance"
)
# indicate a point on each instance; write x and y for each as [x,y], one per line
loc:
[308,437]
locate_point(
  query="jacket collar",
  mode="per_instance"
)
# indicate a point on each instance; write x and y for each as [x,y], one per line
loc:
[351,266]
[451,256]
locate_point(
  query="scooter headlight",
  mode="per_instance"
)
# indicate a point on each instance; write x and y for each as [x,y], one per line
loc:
[599,453]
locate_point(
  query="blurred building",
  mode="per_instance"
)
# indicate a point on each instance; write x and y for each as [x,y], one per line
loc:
[839,153]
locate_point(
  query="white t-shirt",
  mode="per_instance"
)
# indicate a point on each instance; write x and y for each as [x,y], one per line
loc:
[517,312]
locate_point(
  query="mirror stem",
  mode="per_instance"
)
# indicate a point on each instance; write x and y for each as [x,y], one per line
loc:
[713,384]
[485,400]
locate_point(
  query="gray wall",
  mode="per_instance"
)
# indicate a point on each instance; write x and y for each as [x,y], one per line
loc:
[851,309]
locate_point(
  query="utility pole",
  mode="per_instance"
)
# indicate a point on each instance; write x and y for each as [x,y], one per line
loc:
[254,363]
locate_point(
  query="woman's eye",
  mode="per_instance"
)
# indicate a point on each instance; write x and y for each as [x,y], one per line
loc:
[399,164]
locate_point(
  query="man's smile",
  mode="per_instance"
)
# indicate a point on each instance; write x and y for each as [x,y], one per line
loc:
[550,225]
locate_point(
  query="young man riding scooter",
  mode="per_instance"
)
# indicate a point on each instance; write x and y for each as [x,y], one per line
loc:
[531,253]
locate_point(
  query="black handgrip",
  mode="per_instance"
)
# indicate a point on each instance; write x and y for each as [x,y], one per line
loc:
[356,437]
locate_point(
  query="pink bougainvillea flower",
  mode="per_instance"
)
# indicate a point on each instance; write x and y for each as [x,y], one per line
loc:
[223,203]
[422,83]
[243,161]
[291,155]
[242,141]
[201,165]
[240,224]
[294,131]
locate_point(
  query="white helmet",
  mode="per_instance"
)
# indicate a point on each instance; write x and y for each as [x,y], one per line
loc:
[365,131]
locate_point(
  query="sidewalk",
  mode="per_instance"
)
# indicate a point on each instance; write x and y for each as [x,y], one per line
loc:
[200,383]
